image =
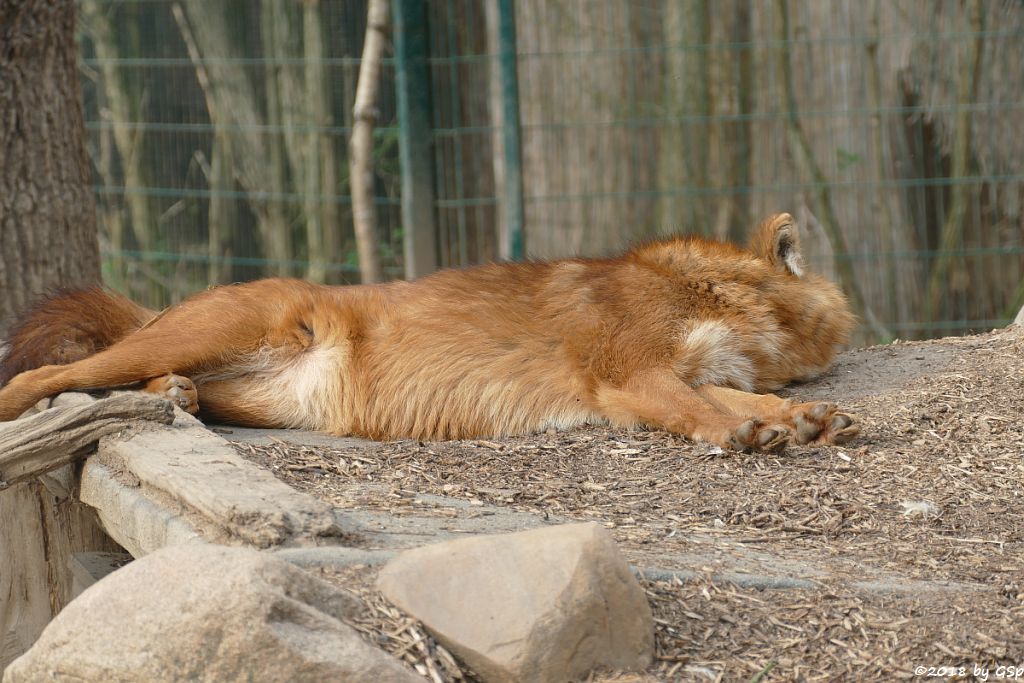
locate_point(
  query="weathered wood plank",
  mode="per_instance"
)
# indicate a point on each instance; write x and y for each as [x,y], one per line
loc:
[38,535]
[37,444]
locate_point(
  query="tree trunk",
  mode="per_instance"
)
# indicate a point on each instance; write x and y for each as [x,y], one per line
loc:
[125,100]
[968,81]
[329,218]
[741,223]
[110,215]
[316,118]
[319,88]
[496,112]
[48,239]
[813,176]
[285,104]
[900,278]
[47,213]
[232,103]
[223,210]
[683,159]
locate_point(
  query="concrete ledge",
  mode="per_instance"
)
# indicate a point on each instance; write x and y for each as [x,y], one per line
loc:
[139,524]
[194,473]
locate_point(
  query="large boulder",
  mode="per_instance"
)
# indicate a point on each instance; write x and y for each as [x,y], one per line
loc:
[548,604]
[206,613]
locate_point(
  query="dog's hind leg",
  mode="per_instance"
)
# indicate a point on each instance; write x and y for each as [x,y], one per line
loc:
[659,398]
[234,401]
[208,332]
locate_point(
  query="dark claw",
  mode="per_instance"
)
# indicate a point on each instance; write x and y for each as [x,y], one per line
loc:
[745,432]
[845,435]
[766,436]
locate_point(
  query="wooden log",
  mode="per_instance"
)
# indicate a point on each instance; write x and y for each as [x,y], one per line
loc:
[38,536]
[42,524]
[40,443]
[150,487]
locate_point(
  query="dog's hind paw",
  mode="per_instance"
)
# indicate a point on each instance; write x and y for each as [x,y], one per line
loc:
[179,390]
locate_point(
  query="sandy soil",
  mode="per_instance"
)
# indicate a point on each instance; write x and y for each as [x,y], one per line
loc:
[906,546]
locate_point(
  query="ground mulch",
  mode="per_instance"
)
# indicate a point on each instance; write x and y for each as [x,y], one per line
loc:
[933,491]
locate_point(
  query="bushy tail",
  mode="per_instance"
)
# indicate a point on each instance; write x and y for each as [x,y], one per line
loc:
[69,326]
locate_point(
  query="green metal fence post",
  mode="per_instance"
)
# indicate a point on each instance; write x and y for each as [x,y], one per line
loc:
[415,139]
[511,242]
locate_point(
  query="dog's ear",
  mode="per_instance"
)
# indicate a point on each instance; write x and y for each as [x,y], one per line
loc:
[777,240]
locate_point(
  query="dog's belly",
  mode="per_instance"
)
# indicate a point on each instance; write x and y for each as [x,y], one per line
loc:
[442,384]
[470,403]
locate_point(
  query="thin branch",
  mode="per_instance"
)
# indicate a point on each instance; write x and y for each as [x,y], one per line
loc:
[364,214]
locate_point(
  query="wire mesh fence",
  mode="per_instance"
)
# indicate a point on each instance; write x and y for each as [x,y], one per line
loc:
[218,131]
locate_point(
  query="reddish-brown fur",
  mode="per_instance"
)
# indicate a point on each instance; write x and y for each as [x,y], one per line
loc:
[69,326]
[674,334]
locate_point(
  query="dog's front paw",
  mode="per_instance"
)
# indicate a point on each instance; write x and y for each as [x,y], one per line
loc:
[821,423]
[754,435]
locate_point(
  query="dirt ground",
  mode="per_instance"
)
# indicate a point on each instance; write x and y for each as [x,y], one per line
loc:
[896,555]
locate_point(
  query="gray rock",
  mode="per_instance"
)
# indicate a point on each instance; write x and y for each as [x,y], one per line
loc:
[206,613]
[541,605]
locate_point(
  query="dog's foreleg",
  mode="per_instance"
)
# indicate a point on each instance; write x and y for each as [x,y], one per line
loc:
[816,422]
[659,398]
